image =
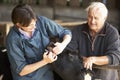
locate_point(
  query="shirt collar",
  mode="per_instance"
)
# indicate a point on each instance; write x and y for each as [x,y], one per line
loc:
[102,31]
[25,34]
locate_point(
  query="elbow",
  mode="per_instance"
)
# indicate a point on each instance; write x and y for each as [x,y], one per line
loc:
[21,74]
[114,60]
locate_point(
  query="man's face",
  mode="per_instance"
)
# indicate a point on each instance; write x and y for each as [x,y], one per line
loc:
[30,27]
[96,19]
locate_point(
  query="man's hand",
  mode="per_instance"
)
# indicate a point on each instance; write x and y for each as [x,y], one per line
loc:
[88,62]
[59,47]
[49,57]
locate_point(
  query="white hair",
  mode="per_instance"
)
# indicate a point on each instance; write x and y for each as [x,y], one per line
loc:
[99,5]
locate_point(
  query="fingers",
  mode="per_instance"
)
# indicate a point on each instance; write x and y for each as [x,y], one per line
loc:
[88,63]
[45,54]
[58,48]
[49,57]
[55,58]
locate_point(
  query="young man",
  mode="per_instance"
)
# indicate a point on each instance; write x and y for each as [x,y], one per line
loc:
[27,41]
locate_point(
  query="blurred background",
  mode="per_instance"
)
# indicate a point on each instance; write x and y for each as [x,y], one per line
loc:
[69,12]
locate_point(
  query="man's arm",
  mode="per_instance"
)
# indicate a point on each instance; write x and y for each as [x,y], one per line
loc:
[59,47]
[89,61]
[47,58]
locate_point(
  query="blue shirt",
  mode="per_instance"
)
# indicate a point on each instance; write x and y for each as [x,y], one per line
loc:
[25,34]
[22,52]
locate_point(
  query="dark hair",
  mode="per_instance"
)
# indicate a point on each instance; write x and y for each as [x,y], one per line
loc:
[22,14]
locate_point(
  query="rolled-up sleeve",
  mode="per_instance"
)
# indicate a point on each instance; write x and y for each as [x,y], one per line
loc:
[16,56]
[113,47]
[54,29]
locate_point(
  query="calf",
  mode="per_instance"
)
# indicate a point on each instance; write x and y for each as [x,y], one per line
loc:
[69,65]
[5,72]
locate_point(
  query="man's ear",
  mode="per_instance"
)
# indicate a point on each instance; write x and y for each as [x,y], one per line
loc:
[105,18]
[18,24]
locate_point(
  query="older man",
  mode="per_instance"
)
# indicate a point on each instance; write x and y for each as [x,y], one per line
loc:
[98,42]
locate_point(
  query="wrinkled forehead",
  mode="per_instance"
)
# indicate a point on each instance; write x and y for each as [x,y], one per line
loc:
[97,10]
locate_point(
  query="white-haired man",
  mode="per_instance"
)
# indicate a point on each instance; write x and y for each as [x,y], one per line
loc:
[98,42]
